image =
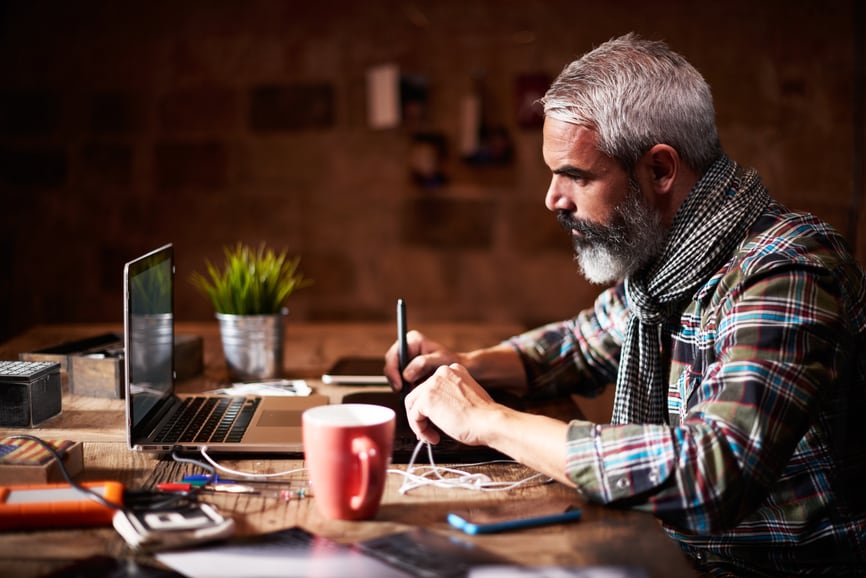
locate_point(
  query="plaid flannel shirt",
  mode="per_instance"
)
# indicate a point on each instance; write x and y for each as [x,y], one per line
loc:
[762,464]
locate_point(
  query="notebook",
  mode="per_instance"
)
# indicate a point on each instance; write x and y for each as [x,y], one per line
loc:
[157,419]
[296,553]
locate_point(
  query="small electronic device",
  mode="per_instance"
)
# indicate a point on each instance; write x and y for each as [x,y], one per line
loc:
[356,371]
[57,505]
[163,529]
[510,516]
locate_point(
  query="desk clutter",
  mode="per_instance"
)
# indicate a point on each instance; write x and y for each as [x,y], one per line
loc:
[420,494]
[295,552]
[95,367]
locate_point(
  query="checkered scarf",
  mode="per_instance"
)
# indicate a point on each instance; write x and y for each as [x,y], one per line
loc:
[707,228]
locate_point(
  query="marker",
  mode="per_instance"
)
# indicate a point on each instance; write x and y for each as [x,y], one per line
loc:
[403,344]
[284,494]
[197,486]
[215,479]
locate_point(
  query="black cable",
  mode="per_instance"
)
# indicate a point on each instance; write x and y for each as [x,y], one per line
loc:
[134,500]
[56,455]
[182,460]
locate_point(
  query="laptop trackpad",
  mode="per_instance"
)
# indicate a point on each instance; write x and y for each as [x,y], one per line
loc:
[279,418]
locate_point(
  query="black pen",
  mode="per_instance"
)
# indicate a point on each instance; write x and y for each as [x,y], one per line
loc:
[403,344]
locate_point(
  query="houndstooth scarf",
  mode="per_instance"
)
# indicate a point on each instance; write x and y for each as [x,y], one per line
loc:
[707,228]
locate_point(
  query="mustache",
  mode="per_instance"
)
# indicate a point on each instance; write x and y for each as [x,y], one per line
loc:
[585,228]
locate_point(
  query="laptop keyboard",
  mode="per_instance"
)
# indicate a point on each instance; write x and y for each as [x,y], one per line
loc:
[209,420]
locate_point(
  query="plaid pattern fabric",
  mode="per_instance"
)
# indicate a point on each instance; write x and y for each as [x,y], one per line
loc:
[760,468]
[707,228]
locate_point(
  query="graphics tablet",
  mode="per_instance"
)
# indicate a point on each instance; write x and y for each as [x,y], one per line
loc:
[447,450]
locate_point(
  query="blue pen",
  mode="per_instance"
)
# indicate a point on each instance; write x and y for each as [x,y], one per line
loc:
[198,478]
[215,479]
[206,478]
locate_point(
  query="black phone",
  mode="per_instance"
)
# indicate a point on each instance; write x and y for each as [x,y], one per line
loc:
[356,370]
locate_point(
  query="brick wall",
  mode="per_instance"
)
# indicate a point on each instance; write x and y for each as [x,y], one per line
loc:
[127,125]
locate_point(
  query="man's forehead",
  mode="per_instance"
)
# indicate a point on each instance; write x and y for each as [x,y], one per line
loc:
[566,142]
[553,125]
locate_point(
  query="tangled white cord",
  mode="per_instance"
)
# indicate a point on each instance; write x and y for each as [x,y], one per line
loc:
[444,477]
[415,476]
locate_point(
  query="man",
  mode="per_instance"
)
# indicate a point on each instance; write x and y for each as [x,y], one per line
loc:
[734,334]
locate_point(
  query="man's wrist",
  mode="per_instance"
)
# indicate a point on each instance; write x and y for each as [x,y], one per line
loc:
[497,367]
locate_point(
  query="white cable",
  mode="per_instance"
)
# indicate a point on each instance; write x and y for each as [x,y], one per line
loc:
[419,476]
[245,474]
[416,476]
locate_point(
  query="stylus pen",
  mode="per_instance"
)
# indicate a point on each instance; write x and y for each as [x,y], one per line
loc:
[403,345]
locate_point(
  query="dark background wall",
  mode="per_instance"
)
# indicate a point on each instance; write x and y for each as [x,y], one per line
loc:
[125,125]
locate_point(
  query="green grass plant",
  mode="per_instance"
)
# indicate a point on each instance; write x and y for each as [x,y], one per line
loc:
[251,281]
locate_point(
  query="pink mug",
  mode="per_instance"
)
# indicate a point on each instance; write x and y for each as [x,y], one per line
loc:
[347,448]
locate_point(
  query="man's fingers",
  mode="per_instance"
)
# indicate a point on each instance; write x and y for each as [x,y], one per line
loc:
[420,423]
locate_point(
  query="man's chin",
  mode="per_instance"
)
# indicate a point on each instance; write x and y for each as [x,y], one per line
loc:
[598,267]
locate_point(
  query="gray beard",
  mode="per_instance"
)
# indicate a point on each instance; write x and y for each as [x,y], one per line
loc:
[632,241]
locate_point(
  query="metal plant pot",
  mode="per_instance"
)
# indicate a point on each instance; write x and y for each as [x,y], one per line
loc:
[150,363]
[253,345]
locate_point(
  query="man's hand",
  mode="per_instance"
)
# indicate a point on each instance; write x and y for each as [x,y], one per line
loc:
[453,401]
[448,398]
[425,355]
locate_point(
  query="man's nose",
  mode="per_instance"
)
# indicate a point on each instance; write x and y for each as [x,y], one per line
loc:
[555,199]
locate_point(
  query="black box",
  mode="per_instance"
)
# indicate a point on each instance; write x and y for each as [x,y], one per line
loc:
[30,392]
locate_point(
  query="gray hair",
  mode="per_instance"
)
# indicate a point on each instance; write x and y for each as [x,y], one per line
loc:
[635,94]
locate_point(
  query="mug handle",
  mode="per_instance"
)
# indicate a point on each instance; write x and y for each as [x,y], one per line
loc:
[371,460]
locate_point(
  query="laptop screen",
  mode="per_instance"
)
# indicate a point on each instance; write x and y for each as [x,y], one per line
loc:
[149,331]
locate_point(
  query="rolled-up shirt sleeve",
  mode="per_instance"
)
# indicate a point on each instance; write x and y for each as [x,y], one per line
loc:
[616,463]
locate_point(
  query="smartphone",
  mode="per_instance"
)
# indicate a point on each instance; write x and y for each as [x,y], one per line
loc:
[513,516]
[163,529]
[356,371]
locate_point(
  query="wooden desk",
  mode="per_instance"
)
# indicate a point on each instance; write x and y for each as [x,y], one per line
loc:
[603,536]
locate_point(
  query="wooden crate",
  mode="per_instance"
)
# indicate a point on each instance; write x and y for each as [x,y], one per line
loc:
[41,468]
[94,366]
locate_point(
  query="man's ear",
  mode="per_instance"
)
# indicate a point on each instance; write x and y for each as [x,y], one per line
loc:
[664,165]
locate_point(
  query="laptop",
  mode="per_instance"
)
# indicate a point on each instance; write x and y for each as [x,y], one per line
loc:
[159,420]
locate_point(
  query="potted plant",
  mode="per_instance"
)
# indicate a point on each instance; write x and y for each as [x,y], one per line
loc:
[249,294]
